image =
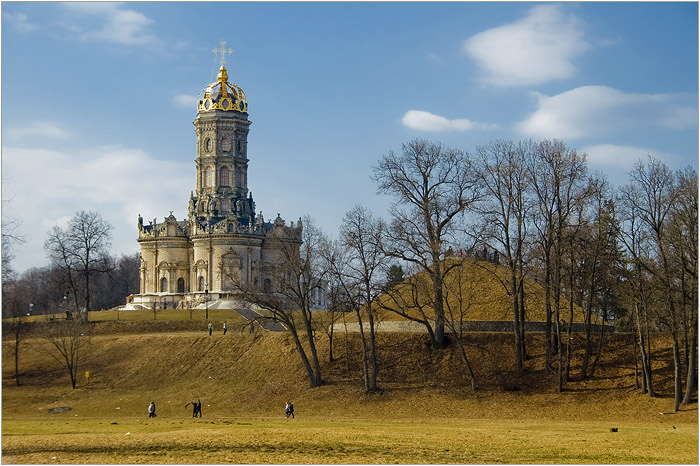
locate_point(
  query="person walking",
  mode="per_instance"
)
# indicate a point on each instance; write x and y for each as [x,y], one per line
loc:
[225,329]
[152,409]
[211,327]
[291,410]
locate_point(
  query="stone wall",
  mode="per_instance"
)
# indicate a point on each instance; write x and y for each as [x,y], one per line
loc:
[468,326]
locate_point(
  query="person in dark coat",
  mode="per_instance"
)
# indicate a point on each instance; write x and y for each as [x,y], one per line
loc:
[196,408]
[152,409]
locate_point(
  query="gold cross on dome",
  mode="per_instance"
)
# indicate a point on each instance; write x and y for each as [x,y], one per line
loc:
[222,51]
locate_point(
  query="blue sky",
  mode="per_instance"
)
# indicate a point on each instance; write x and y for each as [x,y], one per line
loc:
[98,98]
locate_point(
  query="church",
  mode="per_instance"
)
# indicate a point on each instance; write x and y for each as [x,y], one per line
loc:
[223,244]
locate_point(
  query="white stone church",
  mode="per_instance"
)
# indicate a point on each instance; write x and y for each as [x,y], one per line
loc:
[222,244]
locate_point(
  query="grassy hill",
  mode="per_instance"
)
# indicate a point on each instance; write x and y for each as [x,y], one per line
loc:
[425,414]
[480,286]
[240,373]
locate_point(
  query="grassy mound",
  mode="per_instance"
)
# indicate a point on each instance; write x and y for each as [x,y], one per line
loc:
[477,288]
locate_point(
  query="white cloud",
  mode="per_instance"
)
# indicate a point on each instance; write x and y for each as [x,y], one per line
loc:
[185,101]
[599,110]
[115,23]
[38,129]
[426,121]
[48,186]
[533,50]
[19,21]
[612,155]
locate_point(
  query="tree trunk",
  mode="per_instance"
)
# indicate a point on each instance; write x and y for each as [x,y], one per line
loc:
[521,293]
[372,353]
[636,366]
[365,353]
[587,324]
[599,350]
[646,373]
[647,339]
[305,360]
[465,359]
[314,355]
[439,313]
[330,340]
[569,339]
[347,346]
[692,362]
[548,321]
[516,324]
[87,297]
[17,341]
[677,374]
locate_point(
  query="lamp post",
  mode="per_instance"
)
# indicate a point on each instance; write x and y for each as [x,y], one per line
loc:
[206,299]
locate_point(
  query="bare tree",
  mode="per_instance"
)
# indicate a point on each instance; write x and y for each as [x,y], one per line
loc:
[15,304]
[638,296]
[683,239]
[10,239]
[290,295]
[432,187]
[652,194]
[363,235]
[504,209]
[337,298]
[15,296]
[601,270]
[80,250]
[66,340]
[557,176]
[460,295]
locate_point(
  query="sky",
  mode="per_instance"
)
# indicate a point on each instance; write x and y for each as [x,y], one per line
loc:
[98,99]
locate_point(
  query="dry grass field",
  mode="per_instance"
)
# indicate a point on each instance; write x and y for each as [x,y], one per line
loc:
[425,414]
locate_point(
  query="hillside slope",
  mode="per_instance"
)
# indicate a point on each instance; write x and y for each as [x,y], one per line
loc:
[477,290]
[243,375]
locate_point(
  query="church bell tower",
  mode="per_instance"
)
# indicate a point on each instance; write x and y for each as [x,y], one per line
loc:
[222,126]
[222,247]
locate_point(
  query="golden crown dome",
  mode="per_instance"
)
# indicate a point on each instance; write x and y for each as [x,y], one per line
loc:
[223,95]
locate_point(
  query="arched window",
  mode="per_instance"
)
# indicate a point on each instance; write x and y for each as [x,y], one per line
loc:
[208,177]
[225,205]
[201,284]
[239,177]
[180,285]
[163,285]
[225,144]
[224,176]
[267,285]
[230,228]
